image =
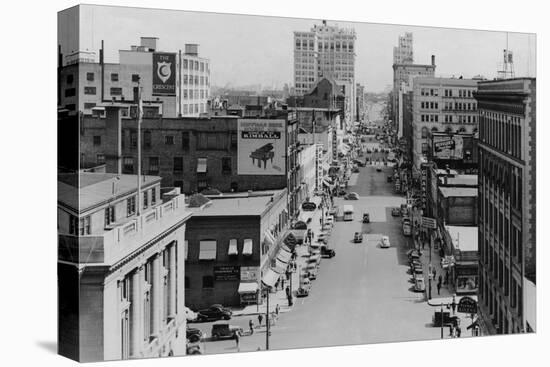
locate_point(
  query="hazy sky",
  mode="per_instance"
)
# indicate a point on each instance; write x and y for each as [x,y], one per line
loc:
[254,49]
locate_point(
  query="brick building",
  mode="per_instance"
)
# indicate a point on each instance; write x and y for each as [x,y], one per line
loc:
[120,268]
[231,244]
[507,201]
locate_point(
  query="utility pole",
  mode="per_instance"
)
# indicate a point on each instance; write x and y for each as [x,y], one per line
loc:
[139,113]
[267,321]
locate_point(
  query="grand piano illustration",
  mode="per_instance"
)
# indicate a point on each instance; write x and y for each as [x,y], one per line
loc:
[263,154]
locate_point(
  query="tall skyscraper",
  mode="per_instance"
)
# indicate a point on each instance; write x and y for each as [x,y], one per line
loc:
[507,202]
[325,51]
[403,52]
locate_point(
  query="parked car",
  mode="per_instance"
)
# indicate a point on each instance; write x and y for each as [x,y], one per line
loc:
[395,212]
[389,179]
[366,218]
[334,210]
[214,312]
[302,292]
[419,285]
[378,169]
[224,330]
[193,334]
[358,237]
[351,196]
[194,349]
[385,242]
[327,252]
[355,169]
[417,272]
[309,206]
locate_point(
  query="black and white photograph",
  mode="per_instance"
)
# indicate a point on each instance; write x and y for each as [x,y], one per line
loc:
[278,183]
[309,184]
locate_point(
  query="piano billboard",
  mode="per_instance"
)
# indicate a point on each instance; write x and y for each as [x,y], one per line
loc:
[261,147]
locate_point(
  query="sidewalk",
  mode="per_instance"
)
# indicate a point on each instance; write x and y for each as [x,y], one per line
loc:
[278,297]
[447,290]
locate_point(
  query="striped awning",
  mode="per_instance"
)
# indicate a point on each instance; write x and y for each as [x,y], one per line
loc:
[270,277]
[248,287]
[284,256]
[233,250]
[247,248]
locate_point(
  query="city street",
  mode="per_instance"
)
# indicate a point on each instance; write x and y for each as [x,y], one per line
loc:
[363,295]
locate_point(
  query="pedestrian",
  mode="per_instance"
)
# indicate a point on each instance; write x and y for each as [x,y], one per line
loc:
[446,277]
[290,303]
[277,309]
[458,331]
[423,244]
[451,330]
[251,326]
[260,318]
[237,339]
[438,288]
[282,283]
[440,279]
[287,290]
[320,221]
[453,305]
[434,273]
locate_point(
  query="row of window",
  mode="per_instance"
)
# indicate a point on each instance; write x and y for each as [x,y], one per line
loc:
[501,131]
[195,80]
[193,94]
[310,45]
[461,106]
[488,296]
[191,108]
[195,65]
[429,105]
[153,167]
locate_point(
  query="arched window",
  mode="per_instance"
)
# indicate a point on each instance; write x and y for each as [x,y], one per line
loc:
[462,130]
[434,129]
[448,129]
[424,132]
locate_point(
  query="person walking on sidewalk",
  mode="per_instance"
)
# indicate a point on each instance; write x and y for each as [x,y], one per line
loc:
[251,326]
[277,310]
[453,305]
[440,279]
[458,331]
[260,318]
[237,339]
[438,287]
[446,277]
[434,273]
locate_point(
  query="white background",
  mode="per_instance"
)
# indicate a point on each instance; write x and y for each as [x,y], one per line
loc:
[28,263]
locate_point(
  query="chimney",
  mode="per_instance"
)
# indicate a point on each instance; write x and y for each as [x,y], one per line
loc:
[433,60]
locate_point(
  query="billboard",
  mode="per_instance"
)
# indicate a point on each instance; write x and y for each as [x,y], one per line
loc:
[448,147]
[261,148]
[164,74]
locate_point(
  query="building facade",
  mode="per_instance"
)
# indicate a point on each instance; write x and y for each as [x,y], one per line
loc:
[231,243]
[192,154]
[87,86]
[441,105]
[120,267]
[403,52]
[507,201]
[323,51]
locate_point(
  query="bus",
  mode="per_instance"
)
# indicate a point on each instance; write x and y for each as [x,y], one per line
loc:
[348,212]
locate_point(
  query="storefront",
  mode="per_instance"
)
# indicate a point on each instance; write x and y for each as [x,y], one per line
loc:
[466,277]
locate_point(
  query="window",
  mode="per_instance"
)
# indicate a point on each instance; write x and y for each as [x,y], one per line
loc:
[115,91]
[130,206]
[70,78]
[135,78]
[153,165]
[90,90]
[133,139]
[89,105]
[185,65]
[233,140]
[208,281]
[424,148]
[185,140]
[178,164]
[128,165]
[147,139]
[84,226]
[109,215]
[202,66]
[169,140]
[90,77]
[114,77]
[187,283]
[196,65]
[153,196]
[70,92]
[185,94]
[226,165]
[100,159]
[145,199]
[185,80]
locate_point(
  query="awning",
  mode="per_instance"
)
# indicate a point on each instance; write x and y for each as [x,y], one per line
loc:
[248,287]
[280,267]
[268,237]
[270,278]
[207,250]
[284,256]
[247,248]
[201,165]
[233,250]
[325,166]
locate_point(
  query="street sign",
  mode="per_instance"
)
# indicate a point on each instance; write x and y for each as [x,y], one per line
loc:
[467,305]
[429,223]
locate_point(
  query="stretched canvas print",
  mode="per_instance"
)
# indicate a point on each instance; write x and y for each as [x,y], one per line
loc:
[236,183]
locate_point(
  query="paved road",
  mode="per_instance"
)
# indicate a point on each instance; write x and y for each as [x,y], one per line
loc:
[363,295]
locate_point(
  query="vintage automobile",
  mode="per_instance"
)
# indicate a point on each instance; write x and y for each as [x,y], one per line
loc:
[355,169]
[389,179]
[302,292]
[366,218]
[327,252]
[351,196]
[214,312]
[193,334]
[309,206]
[385,242]
[378,169]
[395,212]
[419,285]
[333,211]
[224,330]
[358,237]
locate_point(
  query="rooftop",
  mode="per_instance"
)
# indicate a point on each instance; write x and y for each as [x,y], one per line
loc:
[81,191]
[458,191]
[464,238]
[465,180]
[239,204]
[445,81]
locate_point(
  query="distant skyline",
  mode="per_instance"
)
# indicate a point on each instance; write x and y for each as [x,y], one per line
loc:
[247,50]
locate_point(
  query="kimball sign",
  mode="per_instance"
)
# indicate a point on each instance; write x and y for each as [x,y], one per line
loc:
[164,74]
